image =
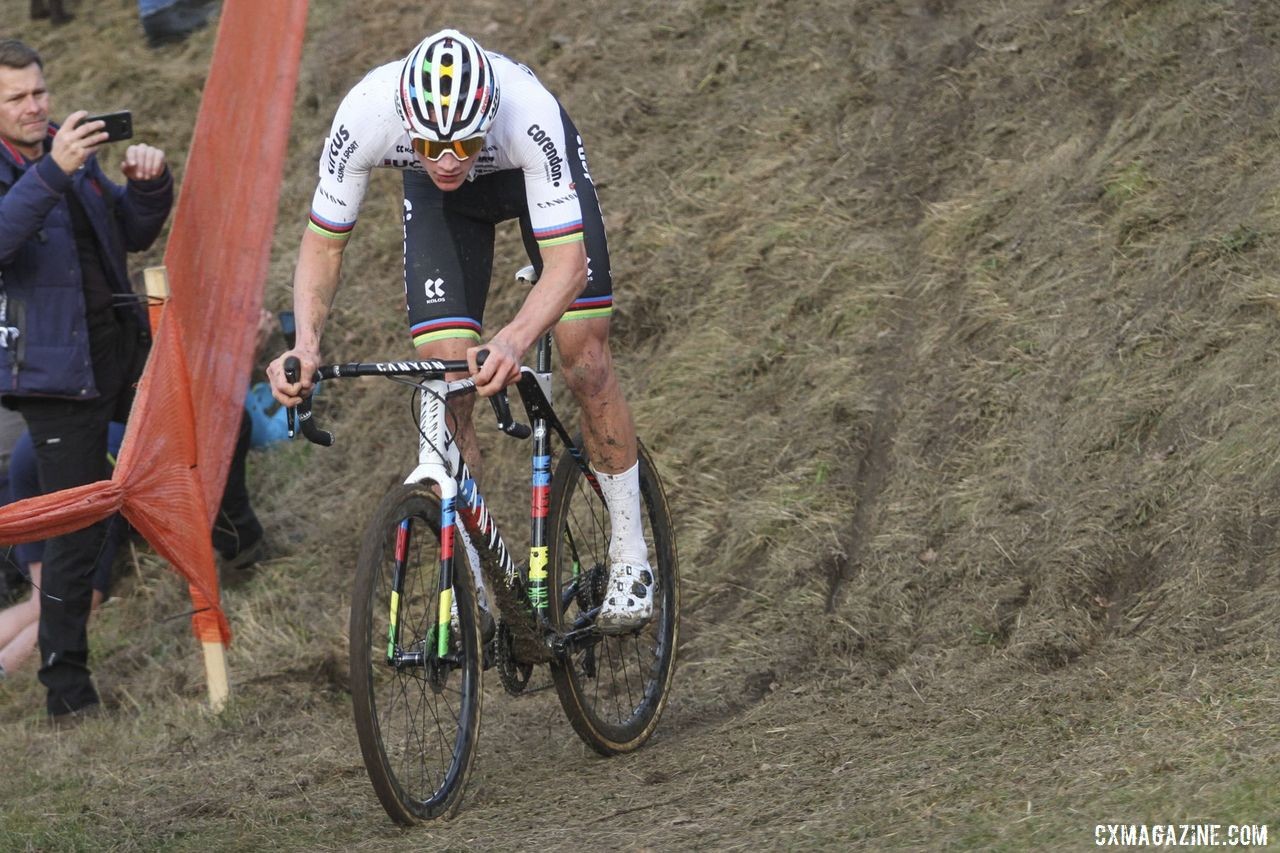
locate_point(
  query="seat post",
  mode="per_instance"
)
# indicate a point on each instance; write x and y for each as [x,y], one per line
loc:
[542,358]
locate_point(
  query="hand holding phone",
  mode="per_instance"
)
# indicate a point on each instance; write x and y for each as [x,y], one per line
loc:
[75,143]
[118,125]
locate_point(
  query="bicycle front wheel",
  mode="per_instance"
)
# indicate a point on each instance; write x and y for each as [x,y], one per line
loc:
[613,688]
[416,698]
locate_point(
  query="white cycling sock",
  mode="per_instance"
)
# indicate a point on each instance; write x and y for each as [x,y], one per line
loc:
[473,558]
[622,495]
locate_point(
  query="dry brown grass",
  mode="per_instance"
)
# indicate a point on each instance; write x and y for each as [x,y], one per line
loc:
[952,326]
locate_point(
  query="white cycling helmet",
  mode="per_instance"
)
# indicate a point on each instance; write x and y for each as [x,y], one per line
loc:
[448,89]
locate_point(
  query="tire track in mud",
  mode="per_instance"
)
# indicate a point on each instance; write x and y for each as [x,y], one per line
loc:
[905,173]
[871,474]
[869,480]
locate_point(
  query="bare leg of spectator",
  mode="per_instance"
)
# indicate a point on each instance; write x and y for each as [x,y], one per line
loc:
[19,627]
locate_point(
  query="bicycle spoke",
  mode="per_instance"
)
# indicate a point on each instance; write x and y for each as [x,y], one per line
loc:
[614,688]
[418,715]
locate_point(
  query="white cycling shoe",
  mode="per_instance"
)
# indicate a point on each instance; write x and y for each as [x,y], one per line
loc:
[628,598]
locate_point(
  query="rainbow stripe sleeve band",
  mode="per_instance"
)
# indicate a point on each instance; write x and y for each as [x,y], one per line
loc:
[558,235]
[331,230]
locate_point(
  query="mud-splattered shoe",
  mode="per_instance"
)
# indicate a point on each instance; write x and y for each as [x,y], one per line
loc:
[628,599]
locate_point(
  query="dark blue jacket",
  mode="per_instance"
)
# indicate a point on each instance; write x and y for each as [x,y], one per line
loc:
[44,340]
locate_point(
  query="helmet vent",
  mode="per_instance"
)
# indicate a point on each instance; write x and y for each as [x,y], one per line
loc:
[448,90]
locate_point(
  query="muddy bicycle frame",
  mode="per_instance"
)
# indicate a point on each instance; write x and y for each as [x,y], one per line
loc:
[440,463]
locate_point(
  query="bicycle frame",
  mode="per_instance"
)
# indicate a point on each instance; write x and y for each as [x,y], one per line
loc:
[440,462]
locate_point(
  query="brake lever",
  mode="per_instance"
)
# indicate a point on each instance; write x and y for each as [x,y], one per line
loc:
[292,367]
[502,408]
[302,417]
[506,423]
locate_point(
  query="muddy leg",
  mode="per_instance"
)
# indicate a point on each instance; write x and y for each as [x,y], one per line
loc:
[607,427]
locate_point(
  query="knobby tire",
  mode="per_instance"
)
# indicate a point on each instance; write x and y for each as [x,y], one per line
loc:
[417,726]
[614,691]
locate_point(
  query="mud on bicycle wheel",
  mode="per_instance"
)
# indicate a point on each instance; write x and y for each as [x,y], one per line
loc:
[614,690]
[418,721]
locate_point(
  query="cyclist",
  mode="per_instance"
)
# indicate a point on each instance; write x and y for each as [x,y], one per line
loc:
[480,141]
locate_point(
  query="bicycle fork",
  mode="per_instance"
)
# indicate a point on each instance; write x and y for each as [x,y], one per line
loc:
[417,658]
[438,459]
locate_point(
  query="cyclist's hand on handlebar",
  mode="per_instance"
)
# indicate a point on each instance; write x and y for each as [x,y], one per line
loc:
[501,367]
[292,393]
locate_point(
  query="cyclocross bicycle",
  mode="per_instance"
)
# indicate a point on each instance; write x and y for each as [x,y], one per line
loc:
[418,648]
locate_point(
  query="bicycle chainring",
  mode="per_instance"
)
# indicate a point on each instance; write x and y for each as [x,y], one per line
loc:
[513,674]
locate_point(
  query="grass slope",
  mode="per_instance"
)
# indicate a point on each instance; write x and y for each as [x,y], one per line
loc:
[953,326]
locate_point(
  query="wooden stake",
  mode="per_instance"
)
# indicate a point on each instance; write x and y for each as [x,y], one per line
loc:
[215,668]
[156,280]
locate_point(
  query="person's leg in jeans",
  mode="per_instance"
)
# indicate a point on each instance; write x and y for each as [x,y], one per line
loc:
[237,529]
[71,450]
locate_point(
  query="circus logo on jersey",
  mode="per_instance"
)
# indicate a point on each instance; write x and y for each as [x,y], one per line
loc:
[338,156]
[555,163]
[340,138]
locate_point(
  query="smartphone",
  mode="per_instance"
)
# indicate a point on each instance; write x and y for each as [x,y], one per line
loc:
[118,125]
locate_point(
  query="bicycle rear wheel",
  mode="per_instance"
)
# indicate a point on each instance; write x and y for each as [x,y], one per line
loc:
[613,688]
[417,712]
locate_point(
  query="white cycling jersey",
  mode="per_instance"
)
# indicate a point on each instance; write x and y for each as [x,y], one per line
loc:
[527,134]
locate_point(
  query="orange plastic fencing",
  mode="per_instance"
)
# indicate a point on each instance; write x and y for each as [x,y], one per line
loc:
[173,463]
